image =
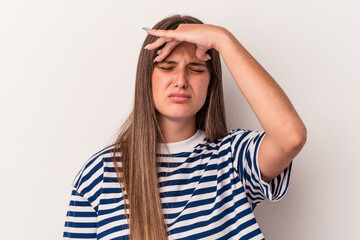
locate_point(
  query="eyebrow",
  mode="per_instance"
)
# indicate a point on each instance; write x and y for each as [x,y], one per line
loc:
[191,63]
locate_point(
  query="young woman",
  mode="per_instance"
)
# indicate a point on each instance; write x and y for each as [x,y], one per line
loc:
[175,171]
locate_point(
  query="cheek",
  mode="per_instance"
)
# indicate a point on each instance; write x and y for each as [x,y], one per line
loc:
[158,88]
[158,80]
[202,88]
[155,92]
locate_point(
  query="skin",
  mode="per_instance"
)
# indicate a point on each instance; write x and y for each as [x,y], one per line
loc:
[285,132]
[180,72]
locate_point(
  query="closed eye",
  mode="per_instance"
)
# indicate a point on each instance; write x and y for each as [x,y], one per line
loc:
[169,68]
[165,68]
[199,71]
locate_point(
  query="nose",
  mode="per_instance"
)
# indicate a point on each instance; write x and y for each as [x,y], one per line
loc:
[180,80]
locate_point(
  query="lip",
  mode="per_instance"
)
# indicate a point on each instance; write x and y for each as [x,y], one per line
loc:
[179,97]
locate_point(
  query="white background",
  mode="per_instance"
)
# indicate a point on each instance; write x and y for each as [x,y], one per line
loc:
[67,71]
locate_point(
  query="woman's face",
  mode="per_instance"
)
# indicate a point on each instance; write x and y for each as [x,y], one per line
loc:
[180,83]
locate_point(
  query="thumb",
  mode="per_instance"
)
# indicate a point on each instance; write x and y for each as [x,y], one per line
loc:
[202,55]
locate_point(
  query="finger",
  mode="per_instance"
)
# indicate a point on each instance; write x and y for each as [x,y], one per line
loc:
[173,34]
[157,43]
[162,33]
[166,50]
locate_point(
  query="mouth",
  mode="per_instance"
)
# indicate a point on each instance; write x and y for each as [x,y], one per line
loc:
[179,97]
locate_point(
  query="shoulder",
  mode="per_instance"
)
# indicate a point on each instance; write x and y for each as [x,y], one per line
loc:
[234,139]
[242,131]
[245,134]
[92,170]
[239,133]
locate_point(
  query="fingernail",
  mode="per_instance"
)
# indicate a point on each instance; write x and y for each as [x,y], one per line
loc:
[207,57]
[146,46]
[146,29]
[155,59]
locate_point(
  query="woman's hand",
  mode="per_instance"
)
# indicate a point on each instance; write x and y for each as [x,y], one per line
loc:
[205,36]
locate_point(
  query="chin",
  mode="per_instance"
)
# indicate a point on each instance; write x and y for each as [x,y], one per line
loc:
[178,112]
[179,115]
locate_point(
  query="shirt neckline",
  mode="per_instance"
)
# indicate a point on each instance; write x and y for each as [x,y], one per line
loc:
[186,145]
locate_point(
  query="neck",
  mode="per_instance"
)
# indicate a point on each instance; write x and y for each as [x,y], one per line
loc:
[177,130]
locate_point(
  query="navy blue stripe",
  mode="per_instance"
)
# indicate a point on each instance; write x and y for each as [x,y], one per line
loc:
[81,214]
[110,159]
[112,230]
[184,170]
[111,210]
[111,190]
[79,203]
[252,234]
[111,219]
[109,169]
[79,235]
[111,180]
[125,237]
[111,200]
[81,224]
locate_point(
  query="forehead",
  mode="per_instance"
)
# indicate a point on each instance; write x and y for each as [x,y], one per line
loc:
[183,50]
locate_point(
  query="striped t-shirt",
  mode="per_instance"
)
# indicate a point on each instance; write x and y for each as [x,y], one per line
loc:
[208,190]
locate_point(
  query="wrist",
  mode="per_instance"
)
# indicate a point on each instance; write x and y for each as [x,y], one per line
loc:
[225,39]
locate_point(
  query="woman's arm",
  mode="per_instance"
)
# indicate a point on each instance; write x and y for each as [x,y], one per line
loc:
[285,131]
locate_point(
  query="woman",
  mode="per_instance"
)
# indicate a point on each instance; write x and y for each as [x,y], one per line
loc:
[175,172]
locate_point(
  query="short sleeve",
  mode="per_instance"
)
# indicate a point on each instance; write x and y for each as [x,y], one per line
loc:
[81,218]
[245,146]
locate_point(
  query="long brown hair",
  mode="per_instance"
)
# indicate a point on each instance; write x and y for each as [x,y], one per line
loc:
[140,134]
